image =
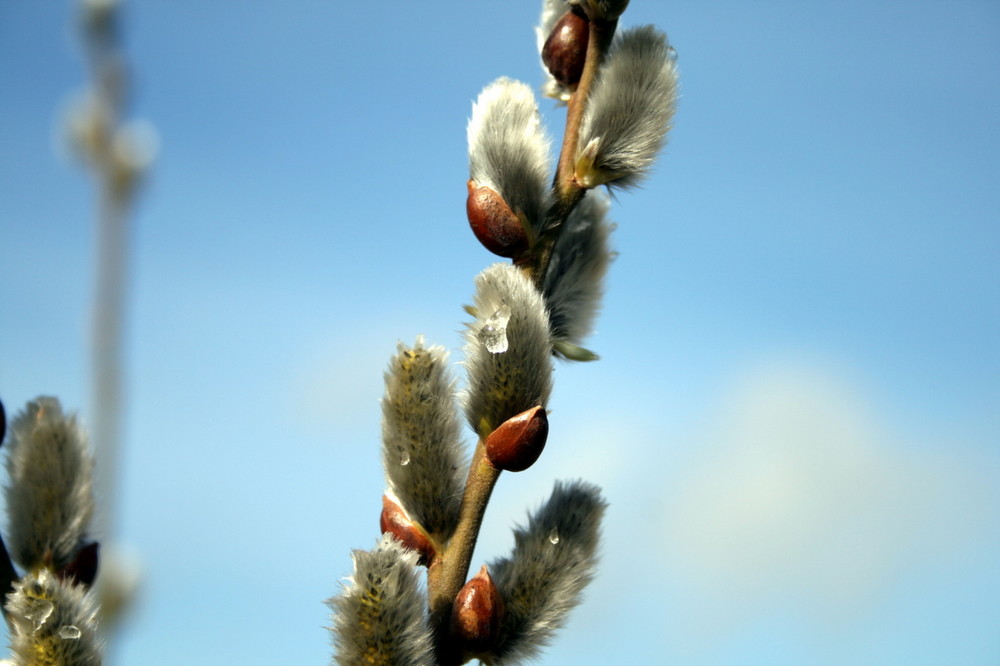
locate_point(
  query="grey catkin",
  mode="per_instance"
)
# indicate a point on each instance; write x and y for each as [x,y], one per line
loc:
[505,383]
[421,447]
[629,110]
[508,147]
[380,618]
[49,493]
[52,621]
[574,282]
[554,558]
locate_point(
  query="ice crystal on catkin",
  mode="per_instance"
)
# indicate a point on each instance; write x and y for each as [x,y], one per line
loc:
[506,383]
[53,622]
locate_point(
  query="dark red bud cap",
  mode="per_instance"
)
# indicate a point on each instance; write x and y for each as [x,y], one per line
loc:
[517,443]
[494,223]
[477,613]
[83,567]
[395,521]
[601,10]
[565,50]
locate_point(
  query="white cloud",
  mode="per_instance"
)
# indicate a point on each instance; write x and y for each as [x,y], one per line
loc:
[801,496]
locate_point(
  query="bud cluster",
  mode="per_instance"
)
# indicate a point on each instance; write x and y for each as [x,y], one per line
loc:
[49,497]
[542,214]
[621,89]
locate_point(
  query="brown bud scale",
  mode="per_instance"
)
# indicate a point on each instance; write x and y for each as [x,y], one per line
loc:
[516,444]
[83,567]
[477,613]
[494,223]
[565,51]
[395,521]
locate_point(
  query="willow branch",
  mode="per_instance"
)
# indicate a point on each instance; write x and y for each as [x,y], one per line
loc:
[446,574]
[568,192]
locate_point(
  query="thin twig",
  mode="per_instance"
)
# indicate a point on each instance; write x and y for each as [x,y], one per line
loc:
[567,191]
[446,574]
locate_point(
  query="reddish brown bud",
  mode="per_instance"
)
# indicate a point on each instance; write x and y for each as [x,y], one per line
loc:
[517,443]
[494,223]
[565,50]
[396,522]
[477,613]
[83,567]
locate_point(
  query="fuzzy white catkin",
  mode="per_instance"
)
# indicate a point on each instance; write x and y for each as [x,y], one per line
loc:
[52,622]
[421,432]
[554,558]
[380,616]
[629,110]
[503,384]
[50,489]
[574,281]
[508,148]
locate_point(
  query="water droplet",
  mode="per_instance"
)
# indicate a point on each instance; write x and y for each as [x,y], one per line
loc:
[671,54]
[404,460]
[69,632]
[554,536]
[493,334]
[39,611]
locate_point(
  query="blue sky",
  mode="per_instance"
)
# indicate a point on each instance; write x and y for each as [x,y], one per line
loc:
[795,418]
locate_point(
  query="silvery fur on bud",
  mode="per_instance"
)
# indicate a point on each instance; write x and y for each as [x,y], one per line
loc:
[554,558]
[508,148]
[421,447]
[507,349]
[629,110]
[380,615]
[574,282]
